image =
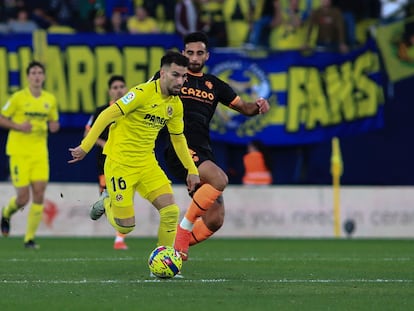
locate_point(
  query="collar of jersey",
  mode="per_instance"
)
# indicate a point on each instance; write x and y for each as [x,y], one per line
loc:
[197,74]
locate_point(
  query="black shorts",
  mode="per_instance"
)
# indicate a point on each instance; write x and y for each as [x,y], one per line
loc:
[100,161]
[174,165]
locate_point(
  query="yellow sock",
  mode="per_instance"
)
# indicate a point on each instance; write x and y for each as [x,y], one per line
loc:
[11,208]
[33,221]
[168,225]
[110,216]
[200,232]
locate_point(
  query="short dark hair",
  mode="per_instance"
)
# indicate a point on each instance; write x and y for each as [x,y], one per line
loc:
[114,78]
[197,36]
[35,64]
[174,57]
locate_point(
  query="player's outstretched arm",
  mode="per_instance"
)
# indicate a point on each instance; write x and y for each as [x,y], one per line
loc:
[260,106]
[106,117]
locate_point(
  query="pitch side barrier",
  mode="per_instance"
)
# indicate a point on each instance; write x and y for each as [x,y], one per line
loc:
[274,212]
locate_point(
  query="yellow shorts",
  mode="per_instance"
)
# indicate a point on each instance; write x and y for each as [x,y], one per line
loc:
[25,169]
[123,181]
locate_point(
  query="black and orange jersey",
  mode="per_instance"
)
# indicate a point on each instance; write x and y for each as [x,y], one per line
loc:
[201,94]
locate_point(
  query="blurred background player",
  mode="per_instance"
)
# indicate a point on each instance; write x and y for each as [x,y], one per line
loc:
[206,212]
[29,115]
[130,164]
[117,88]
[257,165]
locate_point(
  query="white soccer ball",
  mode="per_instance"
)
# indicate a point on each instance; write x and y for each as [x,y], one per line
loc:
[165,262]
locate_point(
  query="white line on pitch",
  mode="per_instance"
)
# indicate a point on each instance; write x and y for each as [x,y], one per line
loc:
[252,259]
[203,281]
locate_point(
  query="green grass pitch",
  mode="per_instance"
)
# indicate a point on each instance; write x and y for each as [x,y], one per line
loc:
[221,274]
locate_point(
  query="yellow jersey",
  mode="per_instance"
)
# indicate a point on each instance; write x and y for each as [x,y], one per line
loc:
[145,112]
[149,25]
[23,106]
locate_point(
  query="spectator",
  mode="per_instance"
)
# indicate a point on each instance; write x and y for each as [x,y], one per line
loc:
[349,9]
[329,23]
[141,22]
[100,23]
[22,23]
[167,6]
[57,28]
[289,35]
[65,12]
[212,16]
[187,17]
[39,14]
[257,164]
[87,12]
[163,12]
[270,18]
[117,23]
[125,7]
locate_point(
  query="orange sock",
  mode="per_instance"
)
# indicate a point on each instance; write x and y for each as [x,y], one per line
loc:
[200,232]
[203,199]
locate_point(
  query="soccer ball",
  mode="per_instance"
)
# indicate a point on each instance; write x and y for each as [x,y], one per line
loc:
[165,262]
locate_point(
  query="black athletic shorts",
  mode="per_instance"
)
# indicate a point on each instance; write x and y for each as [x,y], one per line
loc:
[174,165]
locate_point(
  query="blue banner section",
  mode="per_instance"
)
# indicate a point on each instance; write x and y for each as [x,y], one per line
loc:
[313,97]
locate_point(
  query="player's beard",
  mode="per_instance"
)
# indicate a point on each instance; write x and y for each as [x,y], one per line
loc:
[175,90]
[195,67]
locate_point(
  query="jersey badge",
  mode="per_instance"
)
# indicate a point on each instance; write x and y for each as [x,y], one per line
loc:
[127,98]
[6,106]
[169,111]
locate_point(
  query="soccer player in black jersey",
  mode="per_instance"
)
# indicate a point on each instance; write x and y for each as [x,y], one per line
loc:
[200,95]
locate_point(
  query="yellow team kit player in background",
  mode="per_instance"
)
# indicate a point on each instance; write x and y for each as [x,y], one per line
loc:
[29,115]
[131,165]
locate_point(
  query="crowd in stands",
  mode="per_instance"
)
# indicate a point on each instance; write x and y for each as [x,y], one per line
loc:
[275,24]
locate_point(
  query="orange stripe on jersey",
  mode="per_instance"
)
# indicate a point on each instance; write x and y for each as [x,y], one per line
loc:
[235,101]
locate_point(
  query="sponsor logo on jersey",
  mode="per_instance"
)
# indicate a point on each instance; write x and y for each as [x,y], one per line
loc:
[127,98]
[152,120]
[189,91]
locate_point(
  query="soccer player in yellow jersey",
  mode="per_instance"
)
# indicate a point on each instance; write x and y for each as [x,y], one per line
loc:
[117,88]
[29,115]
[130,164]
